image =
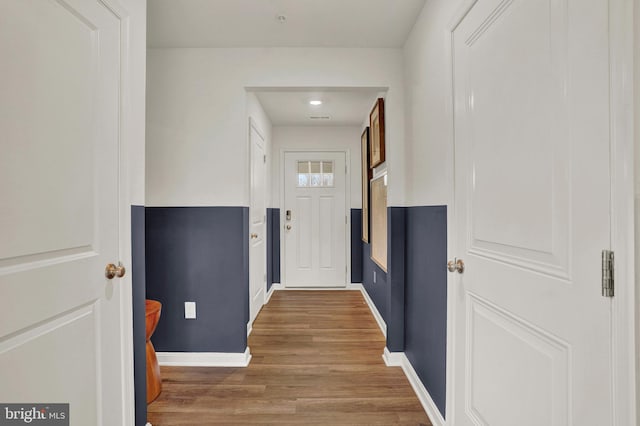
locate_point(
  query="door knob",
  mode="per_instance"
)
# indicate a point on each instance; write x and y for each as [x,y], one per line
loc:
[254,236]
[112,271]
[456,265]
[288,227]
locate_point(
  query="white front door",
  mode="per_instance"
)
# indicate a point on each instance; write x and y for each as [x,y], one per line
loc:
[315,219]
[257,227]
[61,332]
[532,190]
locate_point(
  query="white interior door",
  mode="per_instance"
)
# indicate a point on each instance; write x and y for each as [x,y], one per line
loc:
[60,322]
[315,219]
[533,332]
[257,228]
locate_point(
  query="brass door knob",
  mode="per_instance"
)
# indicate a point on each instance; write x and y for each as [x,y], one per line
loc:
[112,271]
[254,236]
[288,227]
[456,265]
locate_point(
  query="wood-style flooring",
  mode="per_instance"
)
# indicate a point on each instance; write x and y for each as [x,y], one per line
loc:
[317,360]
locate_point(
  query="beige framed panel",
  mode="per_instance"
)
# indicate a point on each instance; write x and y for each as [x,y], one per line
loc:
[379,221]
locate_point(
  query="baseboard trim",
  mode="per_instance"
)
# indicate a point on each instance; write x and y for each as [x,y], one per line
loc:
[372,307]
[204,359]
[399,359]
[274,287]
[392,359]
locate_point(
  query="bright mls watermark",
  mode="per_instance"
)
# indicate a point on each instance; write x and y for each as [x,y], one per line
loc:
[34,414]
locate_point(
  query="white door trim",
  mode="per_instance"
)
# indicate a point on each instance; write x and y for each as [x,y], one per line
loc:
[126,140]
[347,194]
[622,215]
[452,238]
[621,55]
[254,125]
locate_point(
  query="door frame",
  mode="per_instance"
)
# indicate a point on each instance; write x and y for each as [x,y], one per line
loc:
[254,125]
[623,307]
[347,204]
[126,144]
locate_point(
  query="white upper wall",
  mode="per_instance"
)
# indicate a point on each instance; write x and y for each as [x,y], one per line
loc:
[306,138]
[429,119]
[197,138]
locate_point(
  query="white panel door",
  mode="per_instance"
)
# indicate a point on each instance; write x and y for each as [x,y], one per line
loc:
[257,226]
[533,342]
[315,219]
[60,319]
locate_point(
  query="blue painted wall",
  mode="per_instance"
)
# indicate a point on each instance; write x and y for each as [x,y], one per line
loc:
[138,296]
[426,298]
[356,245]
[273,247]
[412,296]
[378,291]
[199,254]
[396,238]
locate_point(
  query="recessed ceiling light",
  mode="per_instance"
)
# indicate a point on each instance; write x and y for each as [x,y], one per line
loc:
[315,103]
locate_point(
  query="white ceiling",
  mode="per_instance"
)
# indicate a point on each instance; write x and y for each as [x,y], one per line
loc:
[254,23]
[343,107]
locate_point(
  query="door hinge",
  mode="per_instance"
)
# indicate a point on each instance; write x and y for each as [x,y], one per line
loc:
[345,220]
[608,281]
[264,158]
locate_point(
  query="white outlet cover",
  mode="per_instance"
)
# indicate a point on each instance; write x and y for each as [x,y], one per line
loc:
[190,310]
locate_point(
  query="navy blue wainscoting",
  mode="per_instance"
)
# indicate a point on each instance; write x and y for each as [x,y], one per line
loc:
[138,296]
[273,247]
[396,231]
[199,254]
[426,298]
[378,291]
[356,245]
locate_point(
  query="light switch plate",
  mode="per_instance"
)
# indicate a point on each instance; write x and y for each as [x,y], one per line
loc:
[190,310]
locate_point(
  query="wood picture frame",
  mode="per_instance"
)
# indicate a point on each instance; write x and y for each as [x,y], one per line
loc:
[366,177]
[379,221]
[376,134]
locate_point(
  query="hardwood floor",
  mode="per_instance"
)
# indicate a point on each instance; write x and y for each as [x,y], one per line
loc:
[317,360]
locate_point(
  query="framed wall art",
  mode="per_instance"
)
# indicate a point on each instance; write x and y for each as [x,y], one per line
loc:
[376,134]
[379,221]
[366,177]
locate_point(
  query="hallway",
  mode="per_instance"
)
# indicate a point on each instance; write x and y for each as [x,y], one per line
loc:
[316,360]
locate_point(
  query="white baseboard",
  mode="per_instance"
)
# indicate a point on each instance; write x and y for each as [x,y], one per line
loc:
[399,359]
[372,306]
[204,359]
[274,287]
[392,359]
